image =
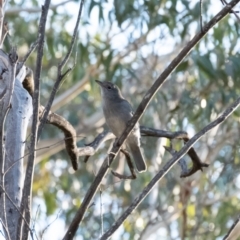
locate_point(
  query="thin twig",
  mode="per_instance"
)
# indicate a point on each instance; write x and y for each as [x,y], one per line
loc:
[9,198]
[234,231]
[38,149]
[35,220]
[5,32]
[201,20]
[140,110]
[232,11]
[50,224]
[182,163]
[60,75]
[30,50]
[22,232]
[168,166]
[101,211]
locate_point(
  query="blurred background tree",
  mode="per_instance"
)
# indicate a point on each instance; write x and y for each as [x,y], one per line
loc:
[130,43]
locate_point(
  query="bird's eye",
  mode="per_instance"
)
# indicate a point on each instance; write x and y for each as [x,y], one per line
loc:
[109,87]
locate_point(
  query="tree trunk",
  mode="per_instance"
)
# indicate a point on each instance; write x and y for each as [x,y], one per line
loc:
[16,129]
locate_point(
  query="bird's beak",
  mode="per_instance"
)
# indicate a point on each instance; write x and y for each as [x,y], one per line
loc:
[99,83]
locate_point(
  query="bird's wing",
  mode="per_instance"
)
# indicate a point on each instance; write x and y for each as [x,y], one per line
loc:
[127,106]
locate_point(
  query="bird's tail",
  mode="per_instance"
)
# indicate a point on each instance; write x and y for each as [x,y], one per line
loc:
[138,157]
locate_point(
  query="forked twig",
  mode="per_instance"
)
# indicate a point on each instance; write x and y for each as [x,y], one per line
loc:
[60,75]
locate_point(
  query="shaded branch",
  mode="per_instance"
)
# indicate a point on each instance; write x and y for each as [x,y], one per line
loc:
[140,110]
[69,133]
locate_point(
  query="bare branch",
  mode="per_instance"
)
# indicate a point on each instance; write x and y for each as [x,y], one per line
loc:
[45,229]
[60,76]
[9,198]
[5,32]
[140,110]
[182,163]
[93,147]
[27,190]
[197,163]
[168,166]
[232,11]
[152,132]
[30,50]
[234,231]
[69,133]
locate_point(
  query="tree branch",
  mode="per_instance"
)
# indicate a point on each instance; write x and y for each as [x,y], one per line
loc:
[168,166]
[60,76]
[27,190]
[91,148]
[5,32]
[234,231]
[2,4]
[30,50]
[69,133]
[140,110]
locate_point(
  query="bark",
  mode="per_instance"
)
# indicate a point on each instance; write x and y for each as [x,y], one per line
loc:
[16,129]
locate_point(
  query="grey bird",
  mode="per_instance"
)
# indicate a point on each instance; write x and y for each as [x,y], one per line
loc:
[118,111]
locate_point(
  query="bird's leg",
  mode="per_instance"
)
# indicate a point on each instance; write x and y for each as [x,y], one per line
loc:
[112,152]
[130,165]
